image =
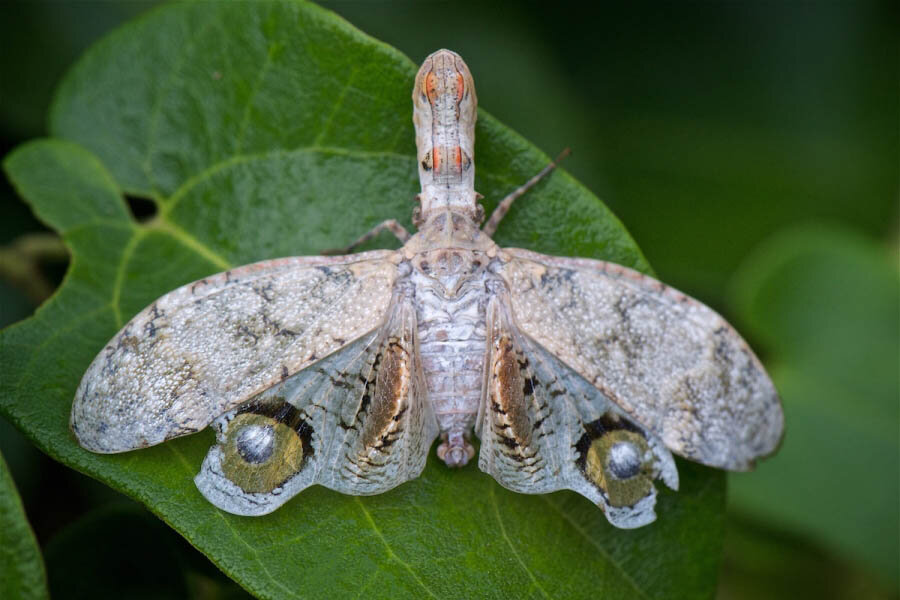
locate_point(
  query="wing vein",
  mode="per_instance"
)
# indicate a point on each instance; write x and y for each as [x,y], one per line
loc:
[334,446]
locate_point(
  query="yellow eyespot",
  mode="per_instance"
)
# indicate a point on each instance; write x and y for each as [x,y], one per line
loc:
[615,463]
[260,453]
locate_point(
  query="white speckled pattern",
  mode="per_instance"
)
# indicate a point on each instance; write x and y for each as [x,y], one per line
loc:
[201,350]
[670,362]
[341,371]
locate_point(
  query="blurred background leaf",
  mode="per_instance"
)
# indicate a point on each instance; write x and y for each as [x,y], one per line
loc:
[121,551]
[22,575]
[707,127]
[116,552]
[824,304]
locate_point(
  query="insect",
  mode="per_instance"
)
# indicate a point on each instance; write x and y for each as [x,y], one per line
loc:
[343,370]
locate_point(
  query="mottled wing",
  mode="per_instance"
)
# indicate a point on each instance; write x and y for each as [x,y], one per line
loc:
[670,362]
[203,349]
[544,428]
[356,422]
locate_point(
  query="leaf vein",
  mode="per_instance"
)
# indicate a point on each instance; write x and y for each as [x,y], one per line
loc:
[119,280]
[256,557]
[369,581]
[337,107]
[191,242]
[236,534]
[156,109]
[254,90]
[512,548]
[390,551]
[239,159]
[578,529]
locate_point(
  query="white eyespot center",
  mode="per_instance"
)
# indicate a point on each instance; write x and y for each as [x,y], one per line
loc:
[624,460]
[255,443]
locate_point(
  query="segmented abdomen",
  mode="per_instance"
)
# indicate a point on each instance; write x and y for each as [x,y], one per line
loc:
[452,347]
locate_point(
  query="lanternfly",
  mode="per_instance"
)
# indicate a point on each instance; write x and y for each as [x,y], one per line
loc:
[343,370]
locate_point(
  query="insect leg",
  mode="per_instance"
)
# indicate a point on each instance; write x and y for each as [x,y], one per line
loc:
[491,226]
[391,225]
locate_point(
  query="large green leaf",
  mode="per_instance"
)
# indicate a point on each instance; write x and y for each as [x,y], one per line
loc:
[21,566]
[270,129]
[824,302]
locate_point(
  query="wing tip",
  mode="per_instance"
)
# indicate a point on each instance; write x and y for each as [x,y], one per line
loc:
[101,443]
[101,436]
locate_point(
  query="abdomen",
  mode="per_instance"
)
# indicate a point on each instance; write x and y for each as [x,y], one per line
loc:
[452,347]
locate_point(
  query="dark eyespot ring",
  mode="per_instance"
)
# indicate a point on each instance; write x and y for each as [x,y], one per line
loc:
[614,456]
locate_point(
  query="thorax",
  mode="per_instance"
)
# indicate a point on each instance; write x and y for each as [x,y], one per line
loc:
[449,268]
[449,259]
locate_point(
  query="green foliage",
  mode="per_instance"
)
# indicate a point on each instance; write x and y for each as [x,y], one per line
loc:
[21,566]
[704,126]
[824,302]
[116,552]
[270,129]
[772,561]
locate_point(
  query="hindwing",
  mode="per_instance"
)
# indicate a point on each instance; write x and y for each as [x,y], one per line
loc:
[356,422]
[543,428]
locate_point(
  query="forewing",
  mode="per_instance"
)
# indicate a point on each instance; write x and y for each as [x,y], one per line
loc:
[356,422]
[670,362]
[201,350]
[543,428]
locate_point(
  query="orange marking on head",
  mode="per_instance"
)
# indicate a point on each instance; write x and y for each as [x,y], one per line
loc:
[460,86]
[431,86]
[457,158]
[436,159]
